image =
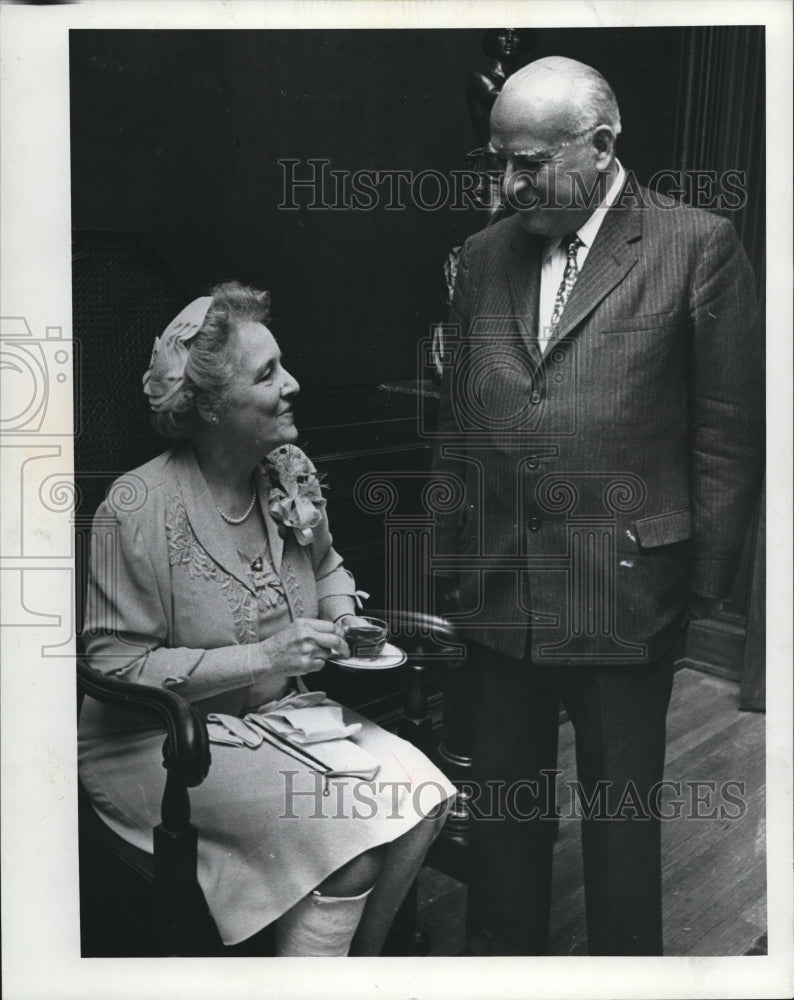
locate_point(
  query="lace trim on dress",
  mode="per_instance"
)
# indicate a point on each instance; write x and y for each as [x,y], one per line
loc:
[184,550]
[292,588]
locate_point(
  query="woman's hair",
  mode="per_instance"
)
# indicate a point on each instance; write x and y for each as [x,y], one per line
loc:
[208,370]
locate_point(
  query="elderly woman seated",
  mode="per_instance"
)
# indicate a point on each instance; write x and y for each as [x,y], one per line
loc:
[217,577]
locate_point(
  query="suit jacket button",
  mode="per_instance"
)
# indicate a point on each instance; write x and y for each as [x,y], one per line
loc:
[535,397]
[534,524]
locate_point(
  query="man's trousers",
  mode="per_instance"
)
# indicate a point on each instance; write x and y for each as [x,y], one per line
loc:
[618,714]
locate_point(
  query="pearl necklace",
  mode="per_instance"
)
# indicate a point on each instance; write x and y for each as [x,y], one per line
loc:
[238,520]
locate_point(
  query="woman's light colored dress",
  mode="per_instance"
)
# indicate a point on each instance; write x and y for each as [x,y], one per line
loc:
[172,602]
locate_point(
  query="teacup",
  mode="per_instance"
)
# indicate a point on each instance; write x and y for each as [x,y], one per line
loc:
[366,641]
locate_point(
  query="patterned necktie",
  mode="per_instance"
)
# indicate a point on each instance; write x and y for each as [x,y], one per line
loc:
[571,244]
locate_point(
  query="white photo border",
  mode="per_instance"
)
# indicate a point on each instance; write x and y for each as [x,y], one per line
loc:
[39,835]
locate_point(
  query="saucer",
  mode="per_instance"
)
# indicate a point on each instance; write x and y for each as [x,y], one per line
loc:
[389,658]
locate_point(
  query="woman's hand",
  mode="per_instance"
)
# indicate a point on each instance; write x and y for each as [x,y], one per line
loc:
[304,646]
[351,620]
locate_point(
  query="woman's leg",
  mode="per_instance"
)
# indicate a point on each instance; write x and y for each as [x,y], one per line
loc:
[323,923]
[403,860]
[357,875]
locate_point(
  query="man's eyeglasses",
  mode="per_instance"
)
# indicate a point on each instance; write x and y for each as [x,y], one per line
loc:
[534,161]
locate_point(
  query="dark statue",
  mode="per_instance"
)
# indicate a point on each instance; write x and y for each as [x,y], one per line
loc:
[506,49]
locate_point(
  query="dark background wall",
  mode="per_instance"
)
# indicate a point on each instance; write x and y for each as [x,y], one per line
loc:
[177,134]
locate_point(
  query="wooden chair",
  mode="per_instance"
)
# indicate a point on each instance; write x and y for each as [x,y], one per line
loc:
[177,922]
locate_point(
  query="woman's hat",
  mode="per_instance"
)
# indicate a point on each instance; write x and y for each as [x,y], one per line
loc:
[166,371]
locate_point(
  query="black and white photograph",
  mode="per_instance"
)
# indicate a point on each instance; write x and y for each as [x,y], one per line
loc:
[396,500]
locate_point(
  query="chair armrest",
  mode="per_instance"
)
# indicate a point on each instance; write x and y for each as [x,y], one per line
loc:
[426,636]
[427,639]
[186,753]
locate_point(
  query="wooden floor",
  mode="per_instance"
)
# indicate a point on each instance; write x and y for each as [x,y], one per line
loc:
[714,868]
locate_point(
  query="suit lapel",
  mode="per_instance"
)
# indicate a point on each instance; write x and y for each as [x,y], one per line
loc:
[523,279]
[611,257]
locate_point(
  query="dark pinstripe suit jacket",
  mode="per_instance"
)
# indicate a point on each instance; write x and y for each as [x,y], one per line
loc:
[605,480]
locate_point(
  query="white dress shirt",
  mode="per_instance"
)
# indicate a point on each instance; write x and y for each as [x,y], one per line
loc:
[555,258]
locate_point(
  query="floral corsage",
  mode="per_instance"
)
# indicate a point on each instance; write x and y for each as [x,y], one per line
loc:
[295,500]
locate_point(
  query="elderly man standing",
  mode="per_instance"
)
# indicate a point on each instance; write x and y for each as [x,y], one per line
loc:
[603,410]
